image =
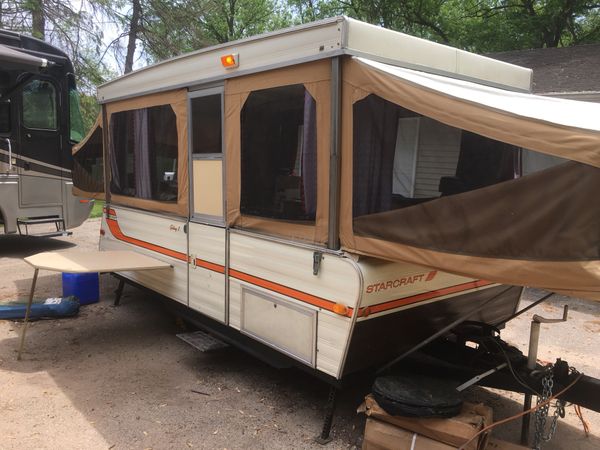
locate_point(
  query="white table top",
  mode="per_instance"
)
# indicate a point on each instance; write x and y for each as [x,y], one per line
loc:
[94,261]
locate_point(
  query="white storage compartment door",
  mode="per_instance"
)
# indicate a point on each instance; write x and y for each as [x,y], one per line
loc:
[281,324]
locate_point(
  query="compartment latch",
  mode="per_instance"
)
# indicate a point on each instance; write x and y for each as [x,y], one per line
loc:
[317,257]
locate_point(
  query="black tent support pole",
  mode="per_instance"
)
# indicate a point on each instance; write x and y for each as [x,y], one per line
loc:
[333,240]
[527,308]
[441,332]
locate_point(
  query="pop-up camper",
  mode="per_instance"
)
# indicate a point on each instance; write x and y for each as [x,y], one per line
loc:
[39,123]
[335,193]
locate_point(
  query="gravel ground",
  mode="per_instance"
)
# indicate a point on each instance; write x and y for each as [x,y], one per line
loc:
[118,378]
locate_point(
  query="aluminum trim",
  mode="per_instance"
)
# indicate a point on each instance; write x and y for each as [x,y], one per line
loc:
[426,69]
[355,313]
[219,79]
[333,240]
[290,30]
[36,161]
[206,218]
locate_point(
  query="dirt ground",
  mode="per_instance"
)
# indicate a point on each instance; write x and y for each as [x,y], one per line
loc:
[118,378]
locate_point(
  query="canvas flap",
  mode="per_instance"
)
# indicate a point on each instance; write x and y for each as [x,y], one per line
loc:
[565,128]
[541,230]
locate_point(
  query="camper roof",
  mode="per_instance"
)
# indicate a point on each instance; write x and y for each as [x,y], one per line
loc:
[317,40]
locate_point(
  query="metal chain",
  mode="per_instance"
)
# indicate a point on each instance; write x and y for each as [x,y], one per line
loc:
[541,413]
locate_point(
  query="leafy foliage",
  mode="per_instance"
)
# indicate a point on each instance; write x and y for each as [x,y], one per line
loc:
[150,30]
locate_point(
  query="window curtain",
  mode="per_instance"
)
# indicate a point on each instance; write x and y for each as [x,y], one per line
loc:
[485,161]
[118,134]
[374,137]
[143,174]
[309,154]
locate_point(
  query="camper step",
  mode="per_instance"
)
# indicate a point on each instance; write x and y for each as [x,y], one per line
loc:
[202,341]
[58,222]
[40,220]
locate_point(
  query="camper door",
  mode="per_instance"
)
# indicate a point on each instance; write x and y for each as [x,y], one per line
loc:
[40,143]
[207,235]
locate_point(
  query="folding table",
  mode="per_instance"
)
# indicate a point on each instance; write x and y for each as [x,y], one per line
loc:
[85,262]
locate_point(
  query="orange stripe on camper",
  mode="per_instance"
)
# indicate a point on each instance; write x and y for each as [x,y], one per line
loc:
[329,305]
[381,307]
[115,229]
[210,266]
[288,291]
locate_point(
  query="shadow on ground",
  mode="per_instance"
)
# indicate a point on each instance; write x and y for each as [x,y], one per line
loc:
[16,246]
[140,386]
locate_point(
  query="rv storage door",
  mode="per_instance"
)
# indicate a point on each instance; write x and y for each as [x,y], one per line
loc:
[207,235]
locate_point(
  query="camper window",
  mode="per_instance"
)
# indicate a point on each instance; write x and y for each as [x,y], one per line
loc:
[39,105]
[206,124]
[402,158]
[279,154]
[143,156]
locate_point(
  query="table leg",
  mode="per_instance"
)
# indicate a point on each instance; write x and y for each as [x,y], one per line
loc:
[24,331]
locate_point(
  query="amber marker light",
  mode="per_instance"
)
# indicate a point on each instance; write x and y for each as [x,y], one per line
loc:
[340,309]
[230,61]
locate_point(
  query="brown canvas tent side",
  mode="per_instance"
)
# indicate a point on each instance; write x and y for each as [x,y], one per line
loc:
[539,230]
[315,79]
[152,127]
[88,164]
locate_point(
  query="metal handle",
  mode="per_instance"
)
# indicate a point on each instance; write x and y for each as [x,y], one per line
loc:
[540,319]
[9,154]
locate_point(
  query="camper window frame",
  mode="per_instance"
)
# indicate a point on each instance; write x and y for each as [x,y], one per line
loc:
[264,214]
[178,101]
[152,152]
[198,217]
[316,78]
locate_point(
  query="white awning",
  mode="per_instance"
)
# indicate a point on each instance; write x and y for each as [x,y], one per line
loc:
[565,128]
[569,113]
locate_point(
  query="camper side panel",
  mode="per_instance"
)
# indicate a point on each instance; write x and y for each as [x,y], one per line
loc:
[207,270]
[275,297]
[402,304]
[162,238]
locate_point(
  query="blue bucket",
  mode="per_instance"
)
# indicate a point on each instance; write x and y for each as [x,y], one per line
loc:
[84,286]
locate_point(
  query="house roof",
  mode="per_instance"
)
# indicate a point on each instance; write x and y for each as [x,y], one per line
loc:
[559,70]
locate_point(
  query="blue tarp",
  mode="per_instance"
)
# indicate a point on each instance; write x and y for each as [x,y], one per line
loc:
[49,308]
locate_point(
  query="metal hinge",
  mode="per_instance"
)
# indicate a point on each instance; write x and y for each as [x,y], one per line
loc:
[317,257]
[193,261]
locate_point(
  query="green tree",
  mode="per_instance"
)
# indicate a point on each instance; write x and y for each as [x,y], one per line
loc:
[476,25]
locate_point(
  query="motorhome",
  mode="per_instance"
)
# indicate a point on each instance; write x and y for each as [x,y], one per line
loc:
[40,121]
[332,194]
